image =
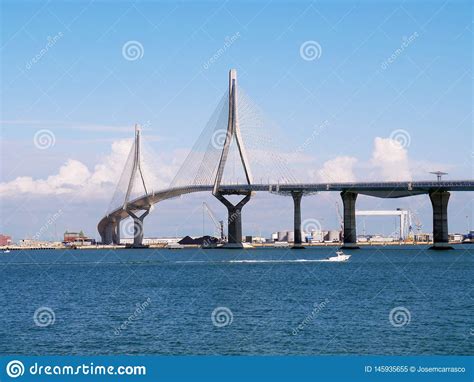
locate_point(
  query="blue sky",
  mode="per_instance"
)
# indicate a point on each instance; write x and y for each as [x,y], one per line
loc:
[382,67]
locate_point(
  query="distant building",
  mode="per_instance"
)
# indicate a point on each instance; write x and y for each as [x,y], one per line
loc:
[456,237]
[333,236]
[381,239]
[316,236]
[423,237]
[469,237]
[5,240]
[32,243]
[255,239]
[151,240]
[77,238]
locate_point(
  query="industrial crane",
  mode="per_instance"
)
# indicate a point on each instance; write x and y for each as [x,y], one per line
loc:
[218,223]
[418,224]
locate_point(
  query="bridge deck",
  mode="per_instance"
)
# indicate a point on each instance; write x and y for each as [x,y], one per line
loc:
[376,189]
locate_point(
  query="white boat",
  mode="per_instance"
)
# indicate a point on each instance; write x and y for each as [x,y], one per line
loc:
[6,251]
[174,246]
[281,244]
[341,257]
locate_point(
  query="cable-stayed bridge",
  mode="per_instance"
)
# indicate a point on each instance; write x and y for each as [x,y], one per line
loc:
[238,154]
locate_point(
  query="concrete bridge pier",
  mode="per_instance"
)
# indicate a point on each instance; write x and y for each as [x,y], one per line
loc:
[350,233]
[109,234]
[297,196]
[234,220]
[116,233]
[138,227]
[439,201]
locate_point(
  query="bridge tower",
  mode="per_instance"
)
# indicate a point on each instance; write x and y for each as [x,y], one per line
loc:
[132,210]
[234,221]
[111,233]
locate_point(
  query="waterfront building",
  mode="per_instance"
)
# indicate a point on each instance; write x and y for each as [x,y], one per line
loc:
[423,237]
[255,239]
[31,243]
[5,240]
[77,239]
[456,237]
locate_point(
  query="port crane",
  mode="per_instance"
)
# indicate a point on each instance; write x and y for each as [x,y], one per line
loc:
[418,224]
[219,224]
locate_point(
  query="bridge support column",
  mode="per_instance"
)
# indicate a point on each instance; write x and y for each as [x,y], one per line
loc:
[297,196]
[350,233]
[138,228]
[439,201]
[109,234]
[112,232]
[234,220]
[116,233]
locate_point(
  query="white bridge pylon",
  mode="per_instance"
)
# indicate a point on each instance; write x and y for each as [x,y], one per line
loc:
[137,174]
[234,221]
[136,168]
[233,132]
[131,185]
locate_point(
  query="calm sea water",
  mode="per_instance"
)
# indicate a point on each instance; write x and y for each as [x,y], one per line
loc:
[274,301]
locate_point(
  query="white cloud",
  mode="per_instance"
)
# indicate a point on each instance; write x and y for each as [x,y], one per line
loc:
[110,169]
[339,169]
[70,177]
[74,178]
[390,160]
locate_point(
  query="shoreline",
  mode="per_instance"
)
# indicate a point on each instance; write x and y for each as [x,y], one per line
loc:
[163,246]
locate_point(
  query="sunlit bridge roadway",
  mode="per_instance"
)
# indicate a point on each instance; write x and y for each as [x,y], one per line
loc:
[236,154]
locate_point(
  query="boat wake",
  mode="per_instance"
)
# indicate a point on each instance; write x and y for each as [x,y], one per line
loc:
[165,262]
[272,261]
[247,261]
